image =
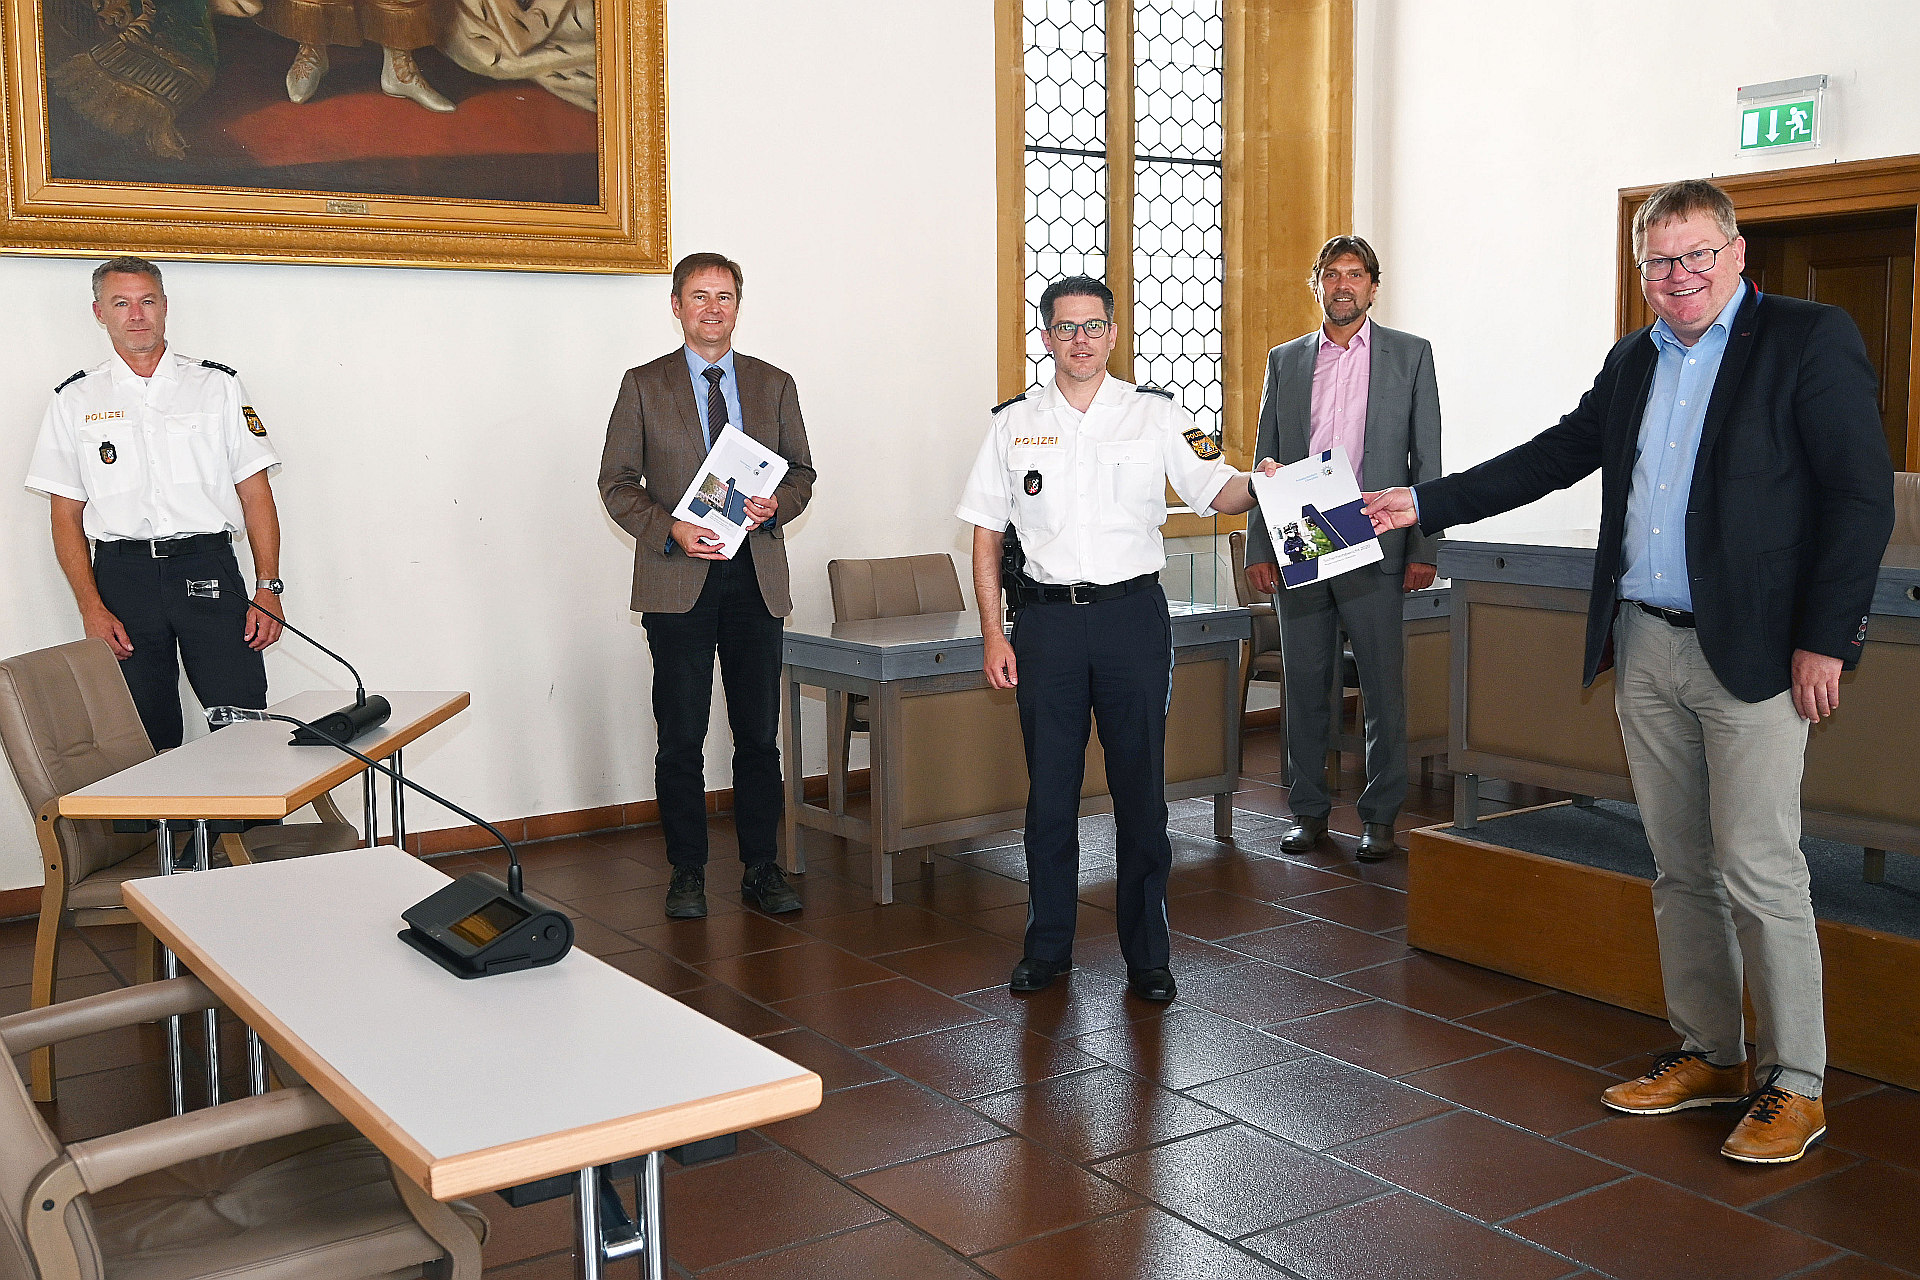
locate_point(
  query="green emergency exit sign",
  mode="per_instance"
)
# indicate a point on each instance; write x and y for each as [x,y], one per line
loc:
[1782,124]
[1783,115]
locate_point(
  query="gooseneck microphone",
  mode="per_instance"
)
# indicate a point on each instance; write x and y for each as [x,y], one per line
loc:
[358,717]
[476,926]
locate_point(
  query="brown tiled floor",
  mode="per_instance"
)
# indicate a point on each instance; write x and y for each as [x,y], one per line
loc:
[1320,1103]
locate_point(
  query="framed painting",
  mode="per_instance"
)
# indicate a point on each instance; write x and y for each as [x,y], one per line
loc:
[519,134]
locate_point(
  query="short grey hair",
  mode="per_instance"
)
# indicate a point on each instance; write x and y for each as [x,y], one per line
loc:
[1678,201]
[127,265]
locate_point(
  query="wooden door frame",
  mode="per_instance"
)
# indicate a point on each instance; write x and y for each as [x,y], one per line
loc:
[1855,186]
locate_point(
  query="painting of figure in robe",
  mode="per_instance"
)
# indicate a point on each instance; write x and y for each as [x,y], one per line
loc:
[488,100]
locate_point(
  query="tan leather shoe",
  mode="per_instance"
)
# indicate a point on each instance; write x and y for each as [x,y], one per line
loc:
[1677,1081]
[1777,1129]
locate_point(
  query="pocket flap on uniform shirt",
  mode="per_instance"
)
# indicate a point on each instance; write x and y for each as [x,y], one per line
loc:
[1143,452]
[1035,457]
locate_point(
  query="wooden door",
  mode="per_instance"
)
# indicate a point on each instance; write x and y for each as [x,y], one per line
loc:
[1863,265]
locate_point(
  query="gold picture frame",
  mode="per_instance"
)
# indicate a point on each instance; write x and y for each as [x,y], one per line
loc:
[621,226]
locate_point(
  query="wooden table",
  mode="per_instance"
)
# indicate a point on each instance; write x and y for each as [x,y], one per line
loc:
[1519,636]
[250,770]
[467,1086]
[946,753]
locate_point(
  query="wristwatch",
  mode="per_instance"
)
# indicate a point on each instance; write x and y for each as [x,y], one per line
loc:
[270,584]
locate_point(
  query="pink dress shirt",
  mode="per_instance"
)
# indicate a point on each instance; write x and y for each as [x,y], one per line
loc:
[1338,415]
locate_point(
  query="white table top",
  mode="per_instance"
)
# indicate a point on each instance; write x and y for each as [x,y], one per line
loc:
[468,1086]
[249,770]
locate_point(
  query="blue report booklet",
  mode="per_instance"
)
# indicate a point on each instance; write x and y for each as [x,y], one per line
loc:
[1311,510]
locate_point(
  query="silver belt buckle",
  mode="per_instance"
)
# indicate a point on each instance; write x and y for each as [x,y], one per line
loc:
[1073,593]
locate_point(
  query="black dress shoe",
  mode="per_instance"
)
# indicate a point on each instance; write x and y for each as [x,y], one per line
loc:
[1376,842]
[687,894]
[1031,974]
[1151,984]
[765,887]
[1303,835]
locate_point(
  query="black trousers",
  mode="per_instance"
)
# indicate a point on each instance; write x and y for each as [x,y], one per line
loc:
[169,627]
[1113,661]
[729,617]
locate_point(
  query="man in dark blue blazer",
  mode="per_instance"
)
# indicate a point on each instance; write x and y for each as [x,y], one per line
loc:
[1746,500]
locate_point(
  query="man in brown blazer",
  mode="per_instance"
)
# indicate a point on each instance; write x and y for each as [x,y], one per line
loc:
[692,600]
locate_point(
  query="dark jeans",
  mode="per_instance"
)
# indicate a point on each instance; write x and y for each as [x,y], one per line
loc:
[1112,663]
[168,627]
[731,617]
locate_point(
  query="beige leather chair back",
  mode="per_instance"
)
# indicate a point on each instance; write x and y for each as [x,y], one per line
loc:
[1906,509]
[67,720]
[895,588]
[1266,626]
[27,1147]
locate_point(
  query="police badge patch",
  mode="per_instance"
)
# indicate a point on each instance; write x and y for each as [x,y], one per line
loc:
[108,454]
[254,424]
[1031,484]
[1202,444]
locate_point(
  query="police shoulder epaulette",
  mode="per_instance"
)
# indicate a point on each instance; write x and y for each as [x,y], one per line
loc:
[1004,403]
[215,364]
[69,382]
[1156,391]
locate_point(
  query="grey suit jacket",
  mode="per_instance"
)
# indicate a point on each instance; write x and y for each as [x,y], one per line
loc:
[1403,429]
[654,445]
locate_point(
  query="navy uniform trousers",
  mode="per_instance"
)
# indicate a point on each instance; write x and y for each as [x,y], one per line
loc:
[150,598]
[1114,660]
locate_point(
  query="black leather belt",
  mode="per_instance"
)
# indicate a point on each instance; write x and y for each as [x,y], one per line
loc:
[192,544]
[1079,592]
[1672,617]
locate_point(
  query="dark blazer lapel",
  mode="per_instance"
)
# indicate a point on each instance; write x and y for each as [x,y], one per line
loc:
[1379,369]
[1629,404]
[1733,363]
[1296,405]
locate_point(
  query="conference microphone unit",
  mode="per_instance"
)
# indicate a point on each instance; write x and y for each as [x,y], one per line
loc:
[361,716]
[475,927]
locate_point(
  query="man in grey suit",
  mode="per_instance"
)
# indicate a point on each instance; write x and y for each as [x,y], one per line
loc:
[692,600]
[1371,391]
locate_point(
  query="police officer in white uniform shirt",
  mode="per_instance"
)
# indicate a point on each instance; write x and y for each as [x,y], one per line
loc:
[159,459]
[1079,468]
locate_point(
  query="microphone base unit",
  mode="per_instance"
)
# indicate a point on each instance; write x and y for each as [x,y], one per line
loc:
[349,722]
[476,927]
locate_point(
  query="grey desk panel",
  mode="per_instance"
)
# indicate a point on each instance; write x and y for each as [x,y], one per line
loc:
[1527,562]
[937,643]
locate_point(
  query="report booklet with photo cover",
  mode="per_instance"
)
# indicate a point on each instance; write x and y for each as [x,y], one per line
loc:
[1312,513]
[738,467]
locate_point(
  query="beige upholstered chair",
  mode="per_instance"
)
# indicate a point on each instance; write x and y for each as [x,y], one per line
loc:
[1263,652]
[900,587]
[270,1186]
[67,720]
[1906,509]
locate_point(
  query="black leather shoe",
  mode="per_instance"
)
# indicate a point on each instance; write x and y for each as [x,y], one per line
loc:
[1376,842]
[687,894]
[1151,984]
[1031,974]
[765,887]
[1303,835]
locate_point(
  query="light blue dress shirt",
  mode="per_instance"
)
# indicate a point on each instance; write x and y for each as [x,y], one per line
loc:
[1655,551]
[729,388]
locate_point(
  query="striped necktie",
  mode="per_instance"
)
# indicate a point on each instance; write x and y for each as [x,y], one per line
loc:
[716,402]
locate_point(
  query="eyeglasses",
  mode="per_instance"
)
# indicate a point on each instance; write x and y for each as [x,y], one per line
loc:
[1066,329]
[1698,262]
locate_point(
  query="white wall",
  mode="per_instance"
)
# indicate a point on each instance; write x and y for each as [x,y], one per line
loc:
[1493,137]
[442,429]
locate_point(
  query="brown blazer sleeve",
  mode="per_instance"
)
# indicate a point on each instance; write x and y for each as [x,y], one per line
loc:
[623,471]
[795,489]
